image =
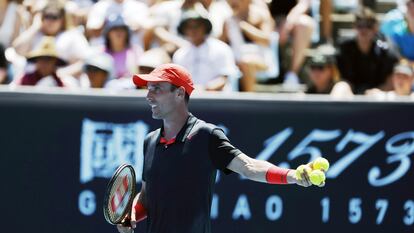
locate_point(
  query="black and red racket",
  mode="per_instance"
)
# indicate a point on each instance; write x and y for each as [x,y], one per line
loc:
[119,195]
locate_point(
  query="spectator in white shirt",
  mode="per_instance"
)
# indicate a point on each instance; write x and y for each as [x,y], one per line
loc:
[210,61]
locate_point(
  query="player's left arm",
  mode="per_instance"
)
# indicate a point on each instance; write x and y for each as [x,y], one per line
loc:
[263,171]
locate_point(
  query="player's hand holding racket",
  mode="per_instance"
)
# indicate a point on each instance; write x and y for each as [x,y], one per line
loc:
[118,198]
[130,222]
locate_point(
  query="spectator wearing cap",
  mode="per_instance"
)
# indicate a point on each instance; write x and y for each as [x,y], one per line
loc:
[165,16]
[98,70]
[118,45]
[366,62]
[402,81]
[210,61]
[151,59]
[402,78]
[398,26]
[164,19]
[324,75]
[46,62]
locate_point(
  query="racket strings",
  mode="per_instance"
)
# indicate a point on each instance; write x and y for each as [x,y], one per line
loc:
[120,195]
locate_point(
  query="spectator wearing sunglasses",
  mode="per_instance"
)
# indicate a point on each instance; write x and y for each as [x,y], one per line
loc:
[324,76]
[71,44]
[398,27]
[366,61]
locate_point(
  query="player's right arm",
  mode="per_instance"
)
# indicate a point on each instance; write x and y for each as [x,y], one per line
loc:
[138,211]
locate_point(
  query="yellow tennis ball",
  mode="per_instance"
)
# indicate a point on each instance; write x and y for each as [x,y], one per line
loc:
[301,169]
[321,164]
[317,177]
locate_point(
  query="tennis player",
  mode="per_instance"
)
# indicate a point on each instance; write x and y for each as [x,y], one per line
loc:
[182,157]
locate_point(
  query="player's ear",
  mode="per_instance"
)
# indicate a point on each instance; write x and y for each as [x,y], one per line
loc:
[181,92]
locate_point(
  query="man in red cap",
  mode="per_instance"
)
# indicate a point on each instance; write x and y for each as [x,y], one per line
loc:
[182,157]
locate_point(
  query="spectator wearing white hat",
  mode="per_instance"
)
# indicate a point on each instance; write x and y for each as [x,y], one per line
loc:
[402,78]
[98,70]
[402,82]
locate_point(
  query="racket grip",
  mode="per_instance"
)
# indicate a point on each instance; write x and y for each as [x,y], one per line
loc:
[126,222]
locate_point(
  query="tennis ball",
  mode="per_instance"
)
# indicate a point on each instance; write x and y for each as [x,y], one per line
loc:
[317,177]
[301,169]
[321,164]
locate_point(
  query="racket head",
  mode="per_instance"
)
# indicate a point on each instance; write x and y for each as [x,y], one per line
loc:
[119,195]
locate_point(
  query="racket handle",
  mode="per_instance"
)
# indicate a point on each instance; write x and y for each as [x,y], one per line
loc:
[126,222]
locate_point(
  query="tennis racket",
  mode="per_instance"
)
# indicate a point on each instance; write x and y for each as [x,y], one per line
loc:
[119,195]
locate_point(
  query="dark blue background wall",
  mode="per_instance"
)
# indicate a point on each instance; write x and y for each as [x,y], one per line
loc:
[57,153]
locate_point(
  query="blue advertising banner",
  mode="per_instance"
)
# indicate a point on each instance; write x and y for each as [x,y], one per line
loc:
[58,151]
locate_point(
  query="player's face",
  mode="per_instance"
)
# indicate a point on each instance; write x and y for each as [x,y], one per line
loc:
[162,99]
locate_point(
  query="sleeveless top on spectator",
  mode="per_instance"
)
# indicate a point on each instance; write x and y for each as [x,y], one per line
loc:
[7,26]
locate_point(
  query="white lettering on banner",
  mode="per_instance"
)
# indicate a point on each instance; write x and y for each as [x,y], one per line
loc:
[273,143]
[105,146]
[400,147]
[399,151]
[242,209]
[214,207]
[274,208]
[364,140]
[87,202]
[409,217]
[355,211]
[325,203]
[382,206]
[317,135]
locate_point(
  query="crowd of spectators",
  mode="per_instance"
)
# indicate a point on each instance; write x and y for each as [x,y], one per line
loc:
[227,45]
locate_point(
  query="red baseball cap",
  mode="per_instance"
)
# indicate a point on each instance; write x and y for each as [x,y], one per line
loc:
[172,73]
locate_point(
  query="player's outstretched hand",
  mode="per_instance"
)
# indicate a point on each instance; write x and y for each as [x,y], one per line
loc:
[300,176]
[312,173]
